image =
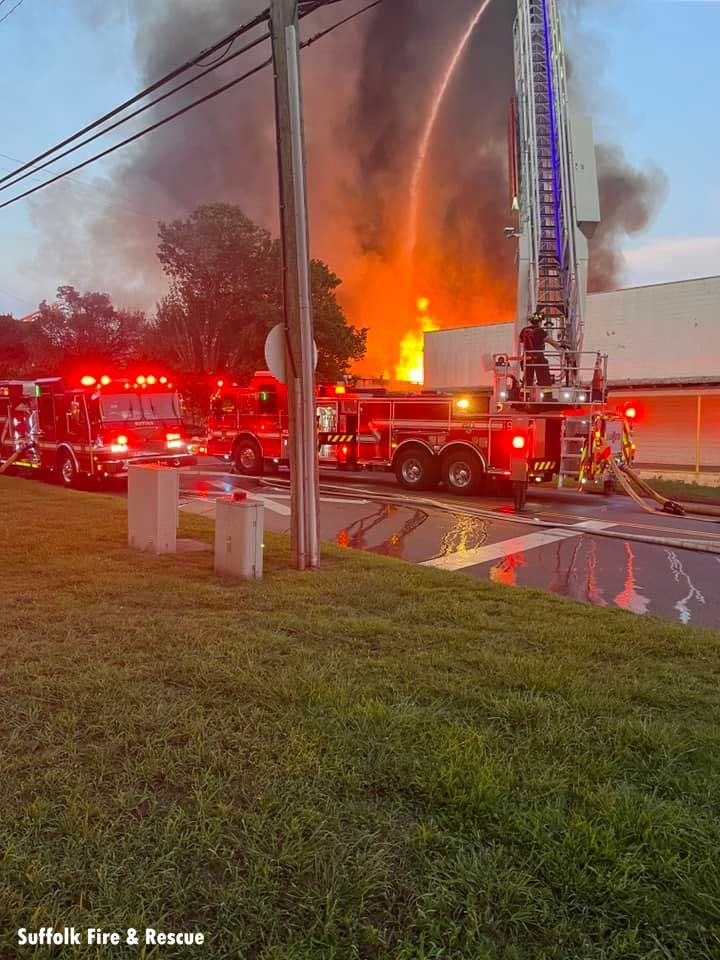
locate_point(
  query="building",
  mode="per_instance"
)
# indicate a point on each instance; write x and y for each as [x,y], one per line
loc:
[663,343]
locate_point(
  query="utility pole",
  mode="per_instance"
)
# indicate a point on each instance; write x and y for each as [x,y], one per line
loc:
[300,359]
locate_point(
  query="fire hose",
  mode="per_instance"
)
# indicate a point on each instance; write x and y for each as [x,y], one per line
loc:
[626,474]
[709,510]
[16,456]
[676,543]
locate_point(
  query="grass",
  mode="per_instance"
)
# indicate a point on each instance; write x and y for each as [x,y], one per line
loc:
[673,489]
[684,489]
[379,761]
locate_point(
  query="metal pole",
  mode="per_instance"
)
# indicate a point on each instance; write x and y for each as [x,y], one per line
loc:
[300,364]
[311,468]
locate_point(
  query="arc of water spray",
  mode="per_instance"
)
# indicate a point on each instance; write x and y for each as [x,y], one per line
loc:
[430,125]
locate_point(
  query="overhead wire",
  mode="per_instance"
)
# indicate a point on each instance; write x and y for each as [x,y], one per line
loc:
[11,11]
[339,23]
[189,64]
[130,116]
[141,133]
[173,116]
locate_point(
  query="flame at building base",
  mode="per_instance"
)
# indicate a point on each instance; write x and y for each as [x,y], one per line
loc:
[411,365]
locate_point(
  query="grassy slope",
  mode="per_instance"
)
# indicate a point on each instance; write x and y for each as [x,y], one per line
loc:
[379,761]
[684,490]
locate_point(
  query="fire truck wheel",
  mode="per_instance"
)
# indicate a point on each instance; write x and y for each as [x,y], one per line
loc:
[463,473]
[416,469]
[248,458]
[67,474]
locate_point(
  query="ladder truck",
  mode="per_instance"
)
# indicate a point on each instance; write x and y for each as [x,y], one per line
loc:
[554,188]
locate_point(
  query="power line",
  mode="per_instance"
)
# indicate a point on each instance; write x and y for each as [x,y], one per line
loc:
[244,28]
[340,23]
[185,109]
[82,186]
[141,133]
[12,10]
[130,116]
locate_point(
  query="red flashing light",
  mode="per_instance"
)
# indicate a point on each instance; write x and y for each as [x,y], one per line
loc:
[519,442]
[221,383]
[340,389]
[631,412]
[105,380]
[88,381]
[121,440]
[345,450]
[127,386]
[140,380]
[163,379]
[151,380]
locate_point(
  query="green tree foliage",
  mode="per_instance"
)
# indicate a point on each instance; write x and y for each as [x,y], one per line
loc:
[86,329]
[226,294]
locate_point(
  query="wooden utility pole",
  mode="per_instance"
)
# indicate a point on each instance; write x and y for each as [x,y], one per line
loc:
[300,359]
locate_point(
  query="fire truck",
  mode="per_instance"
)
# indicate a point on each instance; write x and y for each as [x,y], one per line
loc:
[533,418]
[95,427]
[460,439]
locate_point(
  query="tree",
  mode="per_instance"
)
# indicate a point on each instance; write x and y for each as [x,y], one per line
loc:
[15,354]
[226,294]
[25,351]
[338,342]
[87,330]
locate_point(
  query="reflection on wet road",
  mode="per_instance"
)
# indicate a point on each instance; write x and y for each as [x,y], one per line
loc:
[466,533]
[642,578]
[631,598]
[356,534]
[683,605]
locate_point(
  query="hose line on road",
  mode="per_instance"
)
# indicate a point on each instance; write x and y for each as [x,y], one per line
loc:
[697,546]
[703,510]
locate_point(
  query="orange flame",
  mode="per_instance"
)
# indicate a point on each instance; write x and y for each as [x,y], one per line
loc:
[411,366]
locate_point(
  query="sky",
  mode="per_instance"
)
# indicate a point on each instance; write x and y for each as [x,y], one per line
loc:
[64,62]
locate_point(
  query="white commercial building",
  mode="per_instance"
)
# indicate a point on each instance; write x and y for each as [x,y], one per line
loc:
[663,344]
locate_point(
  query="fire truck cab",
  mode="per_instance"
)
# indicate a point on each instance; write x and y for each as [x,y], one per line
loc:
[94,428]
[424,438]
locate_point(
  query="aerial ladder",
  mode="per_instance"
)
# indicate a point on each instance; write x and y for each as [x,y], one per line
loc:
[555,185]
[554,191]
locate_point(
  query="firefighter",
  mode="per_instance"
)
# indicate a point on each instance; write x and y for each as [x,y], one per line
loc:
[533,339]
[598,393]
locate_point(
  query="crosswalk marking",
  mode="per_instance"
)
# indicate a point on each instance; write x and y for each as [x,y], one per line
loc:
[504,548]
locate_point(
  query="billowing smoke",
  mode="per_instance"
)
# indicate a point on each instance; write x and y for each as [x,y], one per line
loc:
[629,199]
[367,91]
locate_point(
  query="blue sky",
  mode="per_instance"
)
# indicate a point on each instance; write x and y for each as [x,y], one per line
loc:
[658,97]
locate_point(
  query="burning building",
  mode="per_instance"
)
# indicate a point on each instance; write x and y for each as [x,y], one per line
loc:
[412,223]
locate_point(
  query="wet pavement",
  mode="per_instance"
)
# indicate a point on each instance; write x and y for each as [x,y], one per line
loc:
[676,584]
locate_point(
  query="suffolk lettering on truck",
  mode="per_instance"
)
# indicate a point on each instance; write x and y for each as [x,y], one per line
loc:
[92,427]
[424,438]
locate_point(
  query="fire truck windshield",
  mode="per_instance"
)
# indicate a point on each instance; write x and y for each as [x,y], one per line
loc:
[134,406]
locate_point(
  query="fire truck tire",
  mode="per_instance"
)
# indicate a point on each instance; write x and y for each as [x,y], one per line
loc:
[416,469]
[247,458]
[67,474]
[462,472]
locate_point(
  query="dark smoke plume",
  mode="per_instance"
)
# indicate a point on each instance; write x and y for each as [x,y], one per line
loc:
[368,88]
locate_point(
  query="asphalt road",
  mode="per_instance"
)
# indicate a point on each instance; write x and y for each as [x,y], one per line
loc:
[571,559]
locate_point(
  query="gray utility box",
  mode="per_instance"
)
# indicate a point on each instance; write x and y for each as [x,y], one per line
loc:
[239,528]
[153,497]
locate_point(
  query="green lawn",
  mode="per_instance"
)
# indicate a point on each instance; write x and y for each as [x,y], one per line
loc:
[684,490]
[379,761]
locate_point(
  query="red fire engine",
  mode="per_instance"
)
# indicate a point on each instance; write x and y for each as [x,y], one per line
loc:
[424,438]
[94,428]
